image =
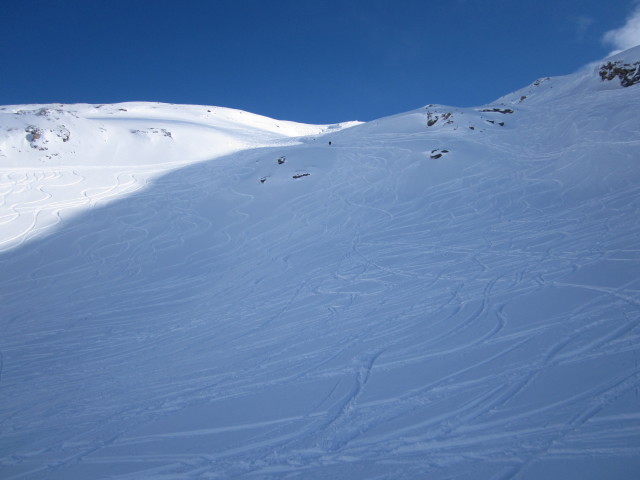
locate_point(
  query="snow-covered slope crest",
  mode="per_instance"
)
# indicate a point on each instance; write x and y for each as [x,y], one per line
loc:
[418,300]
[135,133]
[516,108]
[589,79]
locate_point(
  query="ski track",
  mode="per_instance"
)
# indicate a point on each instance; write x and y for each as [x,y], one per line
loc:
[26,207]
[481,324]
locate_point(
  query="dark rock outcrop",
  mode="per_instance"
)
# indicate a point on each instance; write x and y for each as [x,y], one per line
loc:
[628,73]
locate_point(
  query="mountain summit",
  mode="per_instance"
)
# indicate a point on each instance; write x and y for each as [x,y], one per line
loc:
[199,292]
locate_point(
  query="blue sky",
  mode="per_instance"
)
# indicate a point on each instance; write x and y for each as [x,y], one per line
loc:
[310,61]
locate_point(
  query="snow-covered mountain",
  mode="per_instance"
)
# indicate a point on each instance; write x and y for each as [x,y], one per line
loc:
[199,292]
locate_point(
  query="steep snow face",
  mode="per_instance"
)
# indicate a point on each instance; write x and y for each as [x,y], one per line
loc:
[445,293]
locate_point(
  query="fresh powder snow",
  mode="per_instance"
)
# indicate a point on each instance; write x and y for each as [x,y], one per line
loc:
[201,292]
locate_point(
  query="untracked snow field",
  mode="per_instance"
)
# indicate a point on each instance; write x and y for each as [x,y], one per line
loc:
[442,294]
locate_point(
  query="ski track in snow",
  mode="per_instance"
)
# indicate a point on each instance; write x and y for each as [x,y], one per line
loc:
[472,317]
[27,208]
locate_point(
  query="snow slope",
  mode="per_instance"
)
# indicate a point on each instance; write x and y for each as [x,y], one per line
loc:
[56,160]
[444,293]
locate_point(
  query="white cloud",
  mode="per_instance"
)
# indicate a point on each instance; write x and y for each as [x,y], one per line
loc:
[626,36]
[581,24]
